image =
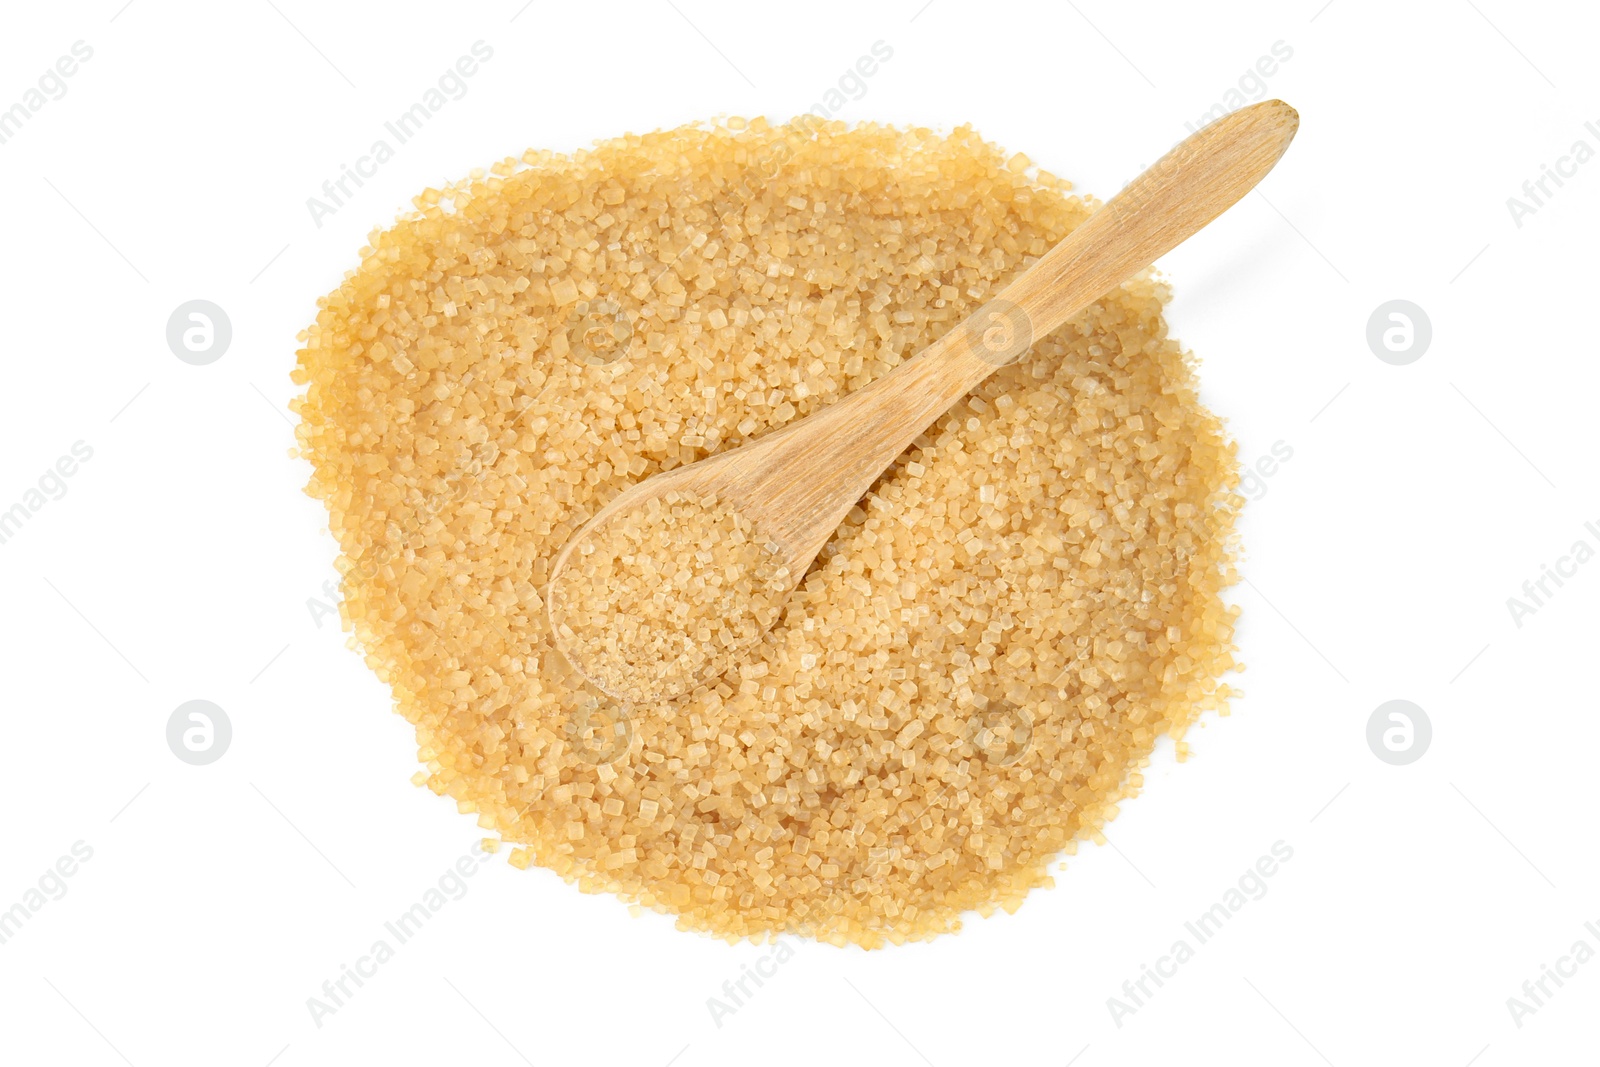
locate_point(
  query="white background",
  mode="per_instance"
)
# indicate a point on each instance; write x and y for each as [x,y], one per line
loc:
[180,561]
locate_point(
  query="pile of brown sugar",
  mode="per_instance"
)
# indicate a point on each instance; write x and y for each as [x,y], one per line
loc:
[979,663]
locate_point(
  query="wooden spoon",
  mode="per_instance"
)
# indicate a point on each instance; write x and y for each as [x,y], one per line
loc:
[797,483]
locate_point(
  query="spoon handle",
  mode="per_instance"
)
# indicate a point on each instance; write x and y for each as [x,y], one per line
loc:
[1199,179]
[806,476]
